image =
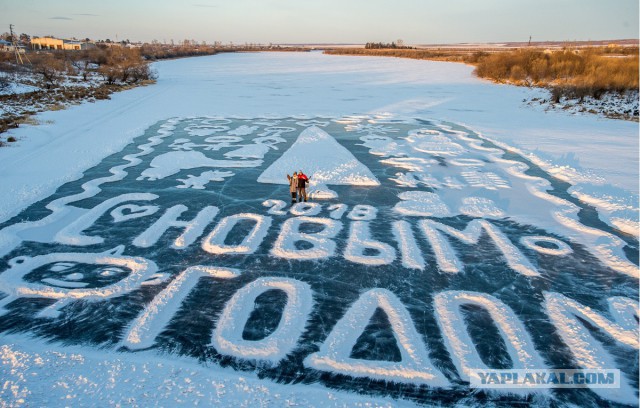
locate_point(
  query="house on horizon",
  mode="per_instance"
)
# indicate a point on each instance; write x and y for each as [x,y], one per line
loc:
[6,46]
[52,43]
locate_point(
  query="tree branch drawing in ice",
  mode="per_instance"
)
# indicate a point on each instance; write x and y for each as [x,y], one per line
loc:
[199,182]
[432,220]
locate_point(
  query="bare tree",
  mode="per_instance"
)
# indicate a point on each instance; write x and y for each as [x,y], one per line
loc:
[124,65]
[50,68]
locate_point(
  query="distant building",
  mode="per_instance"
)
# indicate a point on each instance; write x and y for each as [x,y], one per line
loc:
[51,43]
[109,44]
[6,46]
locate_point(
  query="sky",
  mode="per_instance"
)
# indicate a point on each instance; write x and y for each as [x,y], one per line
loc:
[325,21]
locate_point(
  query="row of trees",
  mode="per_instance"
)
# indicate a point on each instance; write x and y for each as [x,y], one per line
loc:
[428,54]
[156,50]
[191,48]
[393,45]
[114,65]
[23,39]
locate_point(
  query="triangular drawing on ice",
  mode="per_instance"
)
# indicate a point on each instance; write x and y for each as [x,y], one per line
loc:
[323,159]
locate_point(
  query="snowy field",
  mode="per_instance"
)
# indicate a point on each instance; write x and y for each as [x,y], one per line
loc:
[149,253]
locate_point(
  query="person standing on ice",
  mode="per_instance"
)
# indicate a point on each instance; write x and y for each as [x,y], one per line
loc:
[293,186]
[302,186]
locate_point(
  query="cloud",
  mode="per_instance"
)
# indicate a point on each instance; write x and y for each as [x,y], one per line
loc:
[60,18]
[86,14]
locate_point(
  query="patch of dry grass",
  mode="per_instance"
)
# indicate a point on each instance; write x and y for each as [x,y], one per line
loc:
[573,73]
[456,55]
[27,120]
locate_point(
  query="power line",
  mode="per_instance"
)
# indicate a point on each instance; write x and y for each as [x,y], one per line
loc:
[16,50]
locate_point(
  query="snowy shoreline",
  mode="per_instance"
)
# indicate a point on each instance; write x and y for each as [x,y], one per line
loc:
[98,378]
[613,105]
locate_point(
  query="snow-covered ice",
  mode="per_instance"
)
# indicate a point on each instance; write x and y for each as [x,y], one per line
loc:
[149,253]
[318,154]
[598,151]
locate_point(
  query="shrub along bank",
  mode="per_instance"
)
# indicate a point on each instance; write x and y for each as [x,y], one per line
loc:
[568,73]
[51,80]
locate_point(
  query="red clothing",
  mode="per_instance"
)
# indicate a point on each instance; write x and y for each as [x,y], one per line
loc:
[302,180]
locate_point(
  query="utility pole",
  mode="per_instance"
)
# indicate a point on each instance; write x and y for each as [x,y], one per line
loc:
[529,41]
[14,44]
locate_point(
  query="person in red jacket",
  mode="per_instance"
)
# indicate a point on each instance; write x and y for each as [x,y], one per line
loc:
[303,180]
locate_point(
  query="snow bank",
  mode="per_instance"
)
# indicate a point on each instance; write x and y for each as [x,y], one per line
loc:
[80,377]
[421,204]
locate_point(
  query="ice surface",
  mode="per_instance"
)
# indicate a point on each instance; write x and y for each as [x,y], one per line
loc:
[227,337]
[365,251]
[588,144]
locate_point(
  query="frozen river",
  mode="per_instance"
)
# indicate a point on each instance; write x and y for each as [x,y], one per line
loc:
[451,228]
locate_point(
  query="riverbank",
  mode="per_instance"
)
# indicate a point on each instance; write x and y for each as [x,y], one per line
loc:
[19,108]
[55,80]
[601,80]
[50,81]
